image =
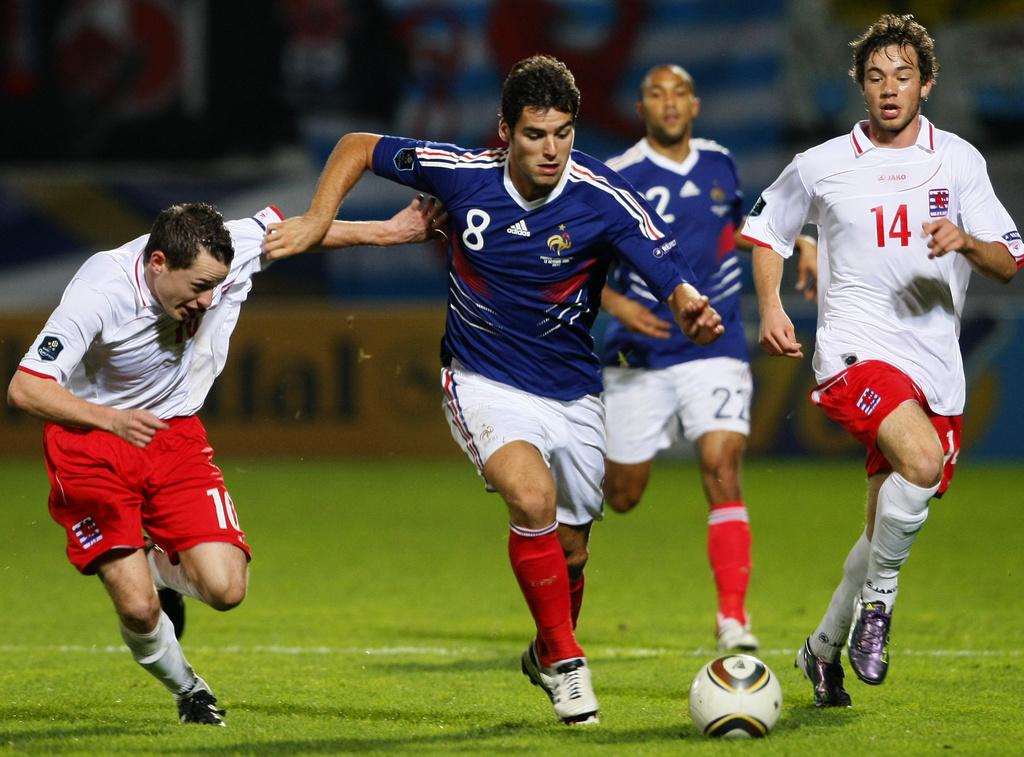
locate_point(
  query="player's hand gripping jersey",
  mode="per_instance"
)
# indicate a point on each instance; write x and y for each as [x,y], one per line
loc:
[111,343]
[700,201]
[526,277]
[883,297]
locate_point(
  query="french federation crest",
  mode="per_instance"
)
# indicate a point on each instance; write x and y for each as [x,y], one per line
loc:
[49,348]
[559,243]
[405,158]
[938,202]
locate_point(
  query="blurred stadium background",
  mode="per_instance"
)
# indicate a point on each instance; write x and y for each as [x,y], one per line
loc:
[113,109]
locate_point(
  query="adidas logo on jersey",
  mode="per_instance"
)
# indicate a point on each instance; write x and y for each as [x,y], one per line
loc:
[689,190]
[518,228]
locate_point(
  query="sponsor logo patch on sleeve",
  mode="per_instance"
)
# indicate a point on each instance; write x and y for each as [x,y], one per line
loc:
[1013,241]
[758,207]
[664,249]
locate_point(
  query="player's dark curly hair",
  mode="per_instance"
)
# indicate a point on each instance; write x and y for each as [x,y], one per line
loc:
[181,230]
[901,31]
[539,81]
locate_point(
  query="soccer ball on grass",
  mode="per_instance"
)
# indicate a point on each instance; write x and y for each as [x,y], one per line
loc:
[735,697]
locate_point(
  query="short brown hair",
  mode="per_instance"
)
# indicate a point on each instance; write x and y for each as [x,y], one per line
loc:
[539,81]
[901,31]
[180,231]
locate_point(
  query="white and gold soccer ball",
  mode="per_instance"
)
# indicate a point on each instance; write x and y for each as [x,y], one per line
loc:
[735,697]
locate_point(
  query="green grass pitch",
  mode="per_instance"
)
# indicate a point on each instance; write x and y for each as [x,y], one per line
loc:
[382,617]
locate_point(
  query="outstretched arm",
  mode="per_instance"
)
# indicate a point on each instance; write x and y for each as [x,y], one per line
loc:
[777,335]
[46,399]
[350,158]
[419,221]
[990,259]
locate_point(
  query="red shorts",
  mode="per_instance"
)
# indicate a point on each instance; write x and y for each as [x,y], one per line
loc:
[104,491]
[861,397]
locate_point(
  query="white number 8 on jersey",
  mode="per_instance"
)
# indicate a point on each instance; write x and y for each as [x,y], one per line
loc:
[476,222]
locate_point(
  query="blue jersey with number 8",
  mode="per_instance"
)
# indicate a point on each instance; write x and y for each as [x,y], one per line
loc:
[525,277]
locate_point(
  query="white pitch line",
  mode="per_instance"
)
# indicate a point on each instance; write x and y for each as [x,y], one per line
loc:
[598,652]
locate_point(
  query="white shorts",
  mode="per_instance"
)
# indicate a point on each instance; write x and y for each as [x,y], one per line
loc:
[485,415]
[644,408]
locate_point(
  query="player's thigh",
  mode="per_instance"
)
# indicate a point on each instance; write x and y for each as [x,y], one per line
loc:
[187,502]
[640,410]
[518,472]
[95,492]
[485,415]
[713,395]
[909,441]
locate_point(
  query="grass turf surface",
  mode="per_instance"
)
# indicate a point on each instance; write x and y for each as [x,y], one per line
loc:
[382,617]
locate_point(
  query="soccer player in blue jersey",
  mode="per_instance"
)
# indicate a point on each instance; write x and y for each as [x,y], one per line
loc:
[532,227]
[658,382]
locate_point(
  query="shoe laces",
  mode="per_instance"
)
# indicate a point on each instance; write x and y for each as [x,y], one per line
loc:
[572,685]
[201,707]
[875,624]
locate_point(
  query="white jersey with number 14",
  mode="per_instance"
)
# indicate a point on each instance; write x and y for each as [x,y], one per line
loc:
[882,298]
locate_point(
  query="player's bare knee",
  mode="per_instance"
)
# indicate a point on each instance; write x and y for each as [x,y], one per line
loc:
[924,469]
[223,586]
[227,595]
[623,492]
[139,614]
[531,506]
[621,499]
[721,464]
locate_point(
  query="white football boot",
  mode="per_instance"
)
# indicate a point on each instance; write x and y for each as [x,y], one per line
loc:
[733,635]
[568,685]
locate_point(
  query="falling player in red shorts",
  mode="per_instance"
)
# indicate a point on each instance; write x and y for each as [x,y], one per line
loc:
[119,372]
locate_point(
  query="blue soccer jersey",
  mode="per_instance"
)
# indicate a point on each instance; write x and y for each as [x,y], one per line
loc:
[700,200]
[525,278]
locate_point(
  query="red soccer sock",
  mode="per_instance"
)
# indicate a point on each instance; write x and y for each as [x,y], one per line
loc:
[575,603]
[539,565]
[729,554]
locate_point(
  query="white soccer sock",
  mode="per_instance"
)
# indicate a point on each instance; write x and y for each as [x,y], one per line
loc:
[169,576]
[829,637]
[161,655]
[902,510]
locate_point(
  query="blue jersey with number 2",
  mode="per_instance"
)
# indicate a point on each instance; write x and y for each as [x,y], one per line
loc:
[700,200]
[525,277]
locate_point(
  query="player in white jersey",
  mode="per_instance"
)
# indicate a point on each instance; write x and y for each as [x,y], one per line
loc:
[118,372]
[532,230]
[659,384]
[904,212]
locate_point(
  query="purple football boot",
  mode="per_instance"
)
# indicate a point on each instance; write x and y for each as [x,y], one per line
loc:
[827,678]
[868,646]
